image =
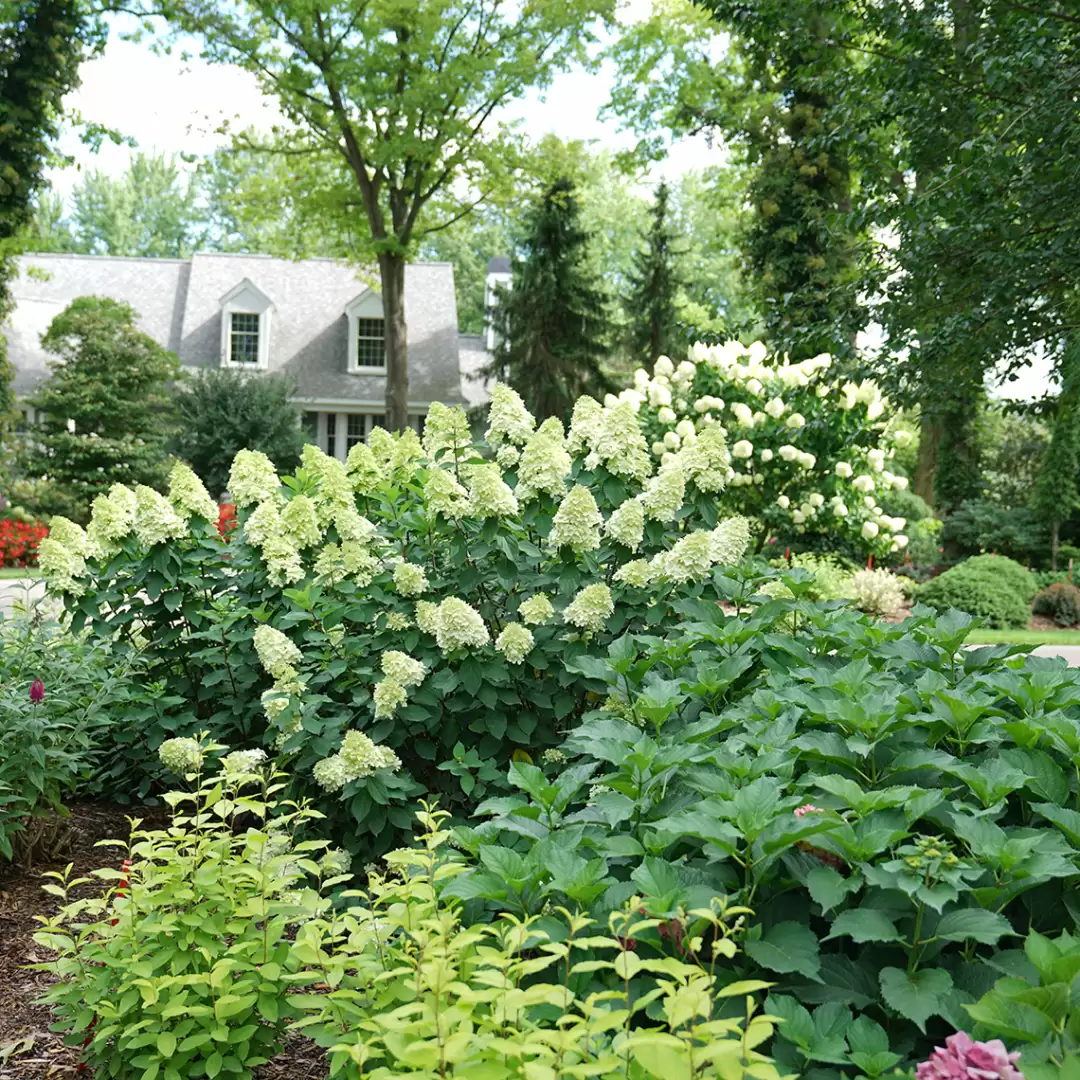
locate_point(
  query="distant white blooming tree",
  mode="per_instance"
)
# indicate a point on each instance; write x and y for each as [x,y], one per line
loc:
[809,452]
[407,621]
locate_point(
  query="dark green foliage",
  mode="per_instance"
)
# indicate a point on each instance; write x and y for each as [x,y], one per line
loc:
[554,325]
[222,411]
[111,381]
[41,45]
[1060,602]
[980,525]
[654,287]
[990,586]
[895,807]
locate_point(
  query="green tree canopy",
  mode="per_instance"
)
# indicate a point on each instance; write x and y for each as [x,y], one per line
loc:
[221,412]
[107,404]
[554,326]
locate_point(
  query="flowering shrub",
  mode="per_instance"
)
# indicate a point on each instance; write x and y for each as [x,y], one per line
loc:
[809,453]
[226,519]
[403,623]
[877,591]
[19,541]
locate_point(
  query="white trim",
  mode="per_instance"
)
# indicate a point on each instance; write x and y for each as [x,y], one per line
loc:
[367,305]
[360,404]
[246,298]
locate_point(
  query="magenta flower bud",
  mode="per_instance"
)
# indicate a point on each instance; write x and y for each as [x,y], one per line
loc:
[37,691]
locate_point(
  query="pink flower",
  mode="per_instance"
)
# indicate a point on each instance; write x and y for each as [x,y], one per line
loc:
[808,808]
[37,691]
[963,1059]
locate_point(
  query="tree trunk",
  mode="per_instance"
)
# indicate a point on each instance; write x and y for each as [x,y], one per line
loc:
[931,430]
[1055,543]
[392,271]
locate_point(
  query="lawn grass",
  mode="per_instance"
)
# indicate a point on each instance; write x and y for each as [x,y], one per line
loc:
[7,573]
[984,636]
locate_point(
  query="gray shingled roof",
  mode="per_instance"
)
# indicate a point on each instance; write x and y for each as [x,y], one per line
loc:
[179,305]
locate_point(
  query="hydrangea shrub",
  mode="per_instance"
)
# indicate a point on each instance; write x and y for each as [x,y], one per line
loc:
[408,621]
[810,453]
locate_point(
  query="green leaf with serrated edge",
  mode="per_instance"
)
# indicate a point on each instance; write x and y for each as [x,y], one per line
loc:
[972,924]
[915,997]
[862,925]
[787,947]
[829,888]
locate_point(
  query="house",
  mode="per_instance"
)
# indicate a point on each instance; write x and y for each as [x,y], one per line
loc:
[314,320]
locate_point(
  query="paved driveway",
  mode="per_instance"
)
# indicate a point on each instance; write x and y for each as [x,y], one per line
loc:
[19,592]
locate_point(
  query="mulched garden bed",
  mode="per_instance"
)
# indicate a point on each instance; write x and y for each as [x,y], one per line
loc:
[39,1053]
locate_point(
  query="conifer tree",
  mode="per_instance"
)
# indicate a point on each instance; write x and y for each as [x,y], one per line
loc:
[654,288]
[1057,493]
[554,325]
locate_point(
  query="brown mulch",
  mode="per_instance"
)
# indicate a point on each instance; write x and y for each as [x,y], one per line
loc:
[38,1053]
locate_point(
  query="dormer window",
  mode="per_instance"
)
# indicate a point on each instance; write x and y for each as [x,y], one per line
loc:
[245,327]
[367,334]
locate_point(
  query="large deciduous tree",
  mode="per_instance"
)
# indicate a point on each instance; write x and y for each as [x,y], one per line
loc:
[554,325]
[405,96]
[107,405]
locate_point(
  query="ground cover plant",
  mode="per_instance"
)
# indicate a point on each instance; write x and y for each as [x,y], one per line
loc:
[896,810]
[401,624]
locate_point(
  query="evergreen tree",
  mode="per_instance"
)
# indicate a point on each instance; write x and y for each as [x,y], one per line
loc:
[652,304]
[554,326]
[222,412]
[108,411]
[1057,493]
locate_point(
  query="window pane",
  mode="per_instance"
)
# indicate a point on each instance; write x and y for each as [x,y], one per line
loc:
[370,343]
[376,420]
[244,338]
[331,434]
[356,430]
[311,425]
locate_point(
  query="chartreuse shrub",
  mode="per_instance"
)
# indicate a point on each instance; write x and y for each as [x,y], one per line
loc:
[416,991]
[182,968]
[993,587]
[401,624]
[1036,1006]
[895,807]
[63,701]
[811,452]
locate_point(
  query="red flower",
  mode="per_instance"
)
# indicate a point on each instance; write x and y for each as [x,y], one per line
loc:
[226,520]
[37,692]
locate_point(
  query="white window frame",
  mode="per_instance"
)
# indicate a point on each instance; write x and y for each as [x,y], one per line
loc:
[246,299]
[368,305]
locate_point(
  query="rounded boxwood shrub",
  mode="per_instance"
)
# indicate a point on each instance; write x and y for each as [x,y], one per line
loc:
[992,587]
[1060,602]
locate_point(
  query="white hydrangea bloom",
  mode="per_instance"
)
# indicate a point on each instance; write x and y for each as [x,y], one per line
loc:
[362,757]
[577,522]
[300,520]
[753,386]
[112,518]
[766,456]
[427,616]
[188,494]
[666,415]
[590,609]
[690,559]
[508,419]
[864,483]
[389,695]
[672,440]
[619,444]
[363,470]
[685,429]
[241,762]
[817,499]
[663,366]
[783,502]
[263,523]
[489,494]
[659,449]
[507,456]
[352,525]
[515,642]
[402,668]
[843,470]
[459,626]
[743,413]
[796,421]
[444,495]
[283,562]
[775,408]
[446,432]
[706,462]
[155,519]
[181,756]
[840,509]
[331,774]
[900,483]
[876,458]
[637,573]
[277,654]
[806,461]
[396,620]
[663,495]
[252,478]
[545,464]
[788,452]
[899,542]
[585,424]
[536,610]
[410,579]
[743,449]
[659,394]
[730,539]
[870,530]
[626,525]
